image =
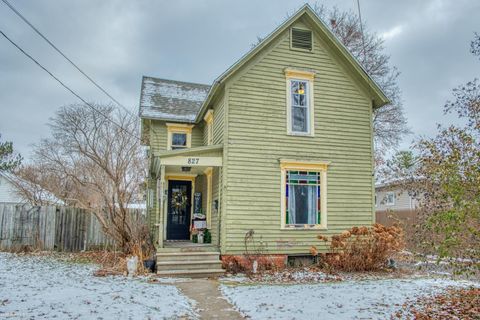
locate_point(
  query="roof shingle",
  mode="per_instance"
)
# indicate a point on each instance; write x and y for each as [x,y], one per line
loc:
[171,100]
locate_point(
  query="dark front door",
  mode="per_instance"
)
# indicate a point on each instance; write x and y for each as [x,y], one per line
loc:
[179,205]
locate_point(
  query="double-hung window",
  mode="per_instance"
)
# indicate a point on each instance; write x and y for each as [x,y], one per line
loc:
[304,194]
[179,136]
[299,102]
[300,114]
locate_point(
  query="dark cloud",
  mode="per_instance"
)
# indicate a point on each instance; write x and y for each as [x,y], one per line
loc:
[117,42]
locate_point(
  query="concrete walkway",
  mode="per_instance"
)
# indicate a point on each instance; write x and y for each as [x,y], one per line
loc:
[210,302]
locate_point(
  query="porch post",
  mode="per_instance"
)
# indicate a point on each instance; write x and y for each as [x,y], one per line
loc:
[160,212]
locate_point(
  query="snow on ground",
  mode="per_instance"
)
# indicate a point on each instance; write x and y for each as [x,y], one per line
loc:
[376,299]
[44,288]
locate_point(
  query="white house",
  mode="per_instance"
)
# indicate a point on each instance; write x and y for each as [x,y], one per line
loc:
[9,191]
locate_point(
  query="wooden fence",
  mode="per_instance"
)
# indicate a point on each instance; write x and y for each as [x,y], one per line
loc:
[52,228]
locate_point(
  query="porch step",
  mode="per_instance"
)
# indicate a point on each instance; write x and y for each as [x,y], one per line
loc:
[187,256]
[189,264]
[200,273]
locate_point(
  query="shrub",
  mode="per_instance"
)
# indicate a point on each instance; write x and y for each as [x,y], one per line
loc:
[362,248]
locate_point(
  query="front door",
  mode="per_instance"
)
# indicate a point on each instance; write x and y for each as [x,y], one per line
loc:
[179,206]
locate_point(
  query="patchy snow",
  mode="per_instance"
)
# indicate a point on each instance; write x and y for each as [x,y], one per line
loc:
[44,288]
[155,113]
[298,275]
[172,90]
[344,300]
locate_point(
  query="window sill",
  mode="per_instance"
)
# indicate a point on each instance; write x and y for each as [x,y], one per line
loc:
[304,227]
[299,134]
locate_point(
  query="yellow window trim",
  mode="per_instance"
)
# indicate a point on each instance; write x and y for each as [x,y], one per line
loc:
[306,75]
[179,128]
[209,122]
[209,173]
[299,74]
[306,165]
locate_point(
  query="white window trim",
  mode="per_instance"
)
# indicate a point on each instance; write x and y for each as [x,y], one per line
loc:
[209,123]
[179,128]
[305,165]
[302,75]
[388,203]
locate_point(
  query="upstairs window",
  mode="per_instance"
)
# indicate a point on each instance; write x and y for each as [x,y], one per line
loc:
[300,106]
[179,141]
[179,136]
[300,102]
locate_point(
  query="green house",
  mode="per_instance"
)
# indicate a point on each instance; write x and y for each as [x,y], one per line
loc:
[279,148]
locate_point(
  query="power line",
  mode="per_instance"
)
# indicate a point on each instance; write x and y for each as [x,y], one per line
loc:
[361,30]
[64,55]
[66,87]
[69,60]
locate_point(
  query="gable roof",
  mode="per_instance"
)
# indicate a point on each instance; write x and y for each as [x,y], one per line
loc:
[162,99]
[379,98]
[175,112]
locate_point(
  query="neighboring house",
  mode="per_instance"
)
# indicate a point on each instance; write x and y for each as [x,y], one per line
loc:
[10,192]
[394,205]
[280,146]
[392,197]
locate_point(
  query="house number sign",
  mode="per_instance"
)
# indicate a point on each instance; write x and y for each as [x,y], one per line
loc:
[193,160]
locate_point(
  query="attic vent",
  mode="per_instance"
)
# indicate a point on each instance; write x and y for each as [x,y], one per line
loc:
[302,39]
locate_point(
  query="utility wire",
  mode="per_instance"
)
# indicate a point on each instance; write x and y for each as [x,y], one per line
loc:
[64,55]
[66,87]
[70,61]
[361,30]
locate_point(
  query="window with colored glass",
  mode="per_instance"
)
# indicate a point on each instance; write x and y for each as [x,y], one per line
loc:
[300,105]
[302,196]
[179,141]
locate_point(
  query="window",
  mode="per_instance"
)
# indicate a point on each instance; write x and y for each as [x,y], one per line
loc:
[304,195]
[299,102]
[209,127]
[179,136]
[390,199]
[179,141]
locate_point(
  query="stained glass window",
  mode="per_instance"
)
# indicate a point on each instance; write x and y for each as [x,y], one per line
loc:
[302,196]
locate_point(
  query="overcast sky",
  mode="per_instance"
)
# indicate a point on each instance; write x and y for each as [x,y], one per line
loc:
[116,42]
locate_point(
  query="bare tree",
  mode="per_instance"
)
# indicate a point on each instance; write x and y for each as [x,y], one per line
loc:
[36,185]
[389,122]
[94,161]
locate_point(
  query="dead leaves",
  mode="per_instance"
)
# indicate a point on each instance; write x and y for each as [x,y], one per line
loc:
[453,304]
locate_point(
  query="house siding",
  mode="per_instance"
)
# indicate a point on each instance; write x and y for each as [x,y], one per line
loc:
[257,139]
[402,200]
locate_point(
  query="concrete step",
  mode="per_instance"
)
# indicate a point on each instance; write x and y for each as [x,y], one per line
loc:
[187,256]
[199,273]
[189,265]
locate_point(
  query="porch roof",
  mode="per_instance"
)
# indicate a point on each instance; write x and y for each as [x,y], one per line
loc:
[203,157]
